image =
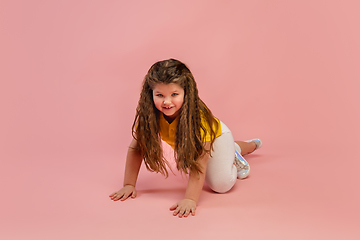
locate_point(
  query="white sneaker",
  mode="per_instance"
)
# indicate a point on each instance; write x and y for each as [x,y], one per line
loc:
[243,168]
[258,143]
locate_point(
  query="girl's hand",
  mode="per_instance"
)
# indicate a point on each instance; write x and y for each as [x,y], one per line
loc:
[184,208]
[124,193]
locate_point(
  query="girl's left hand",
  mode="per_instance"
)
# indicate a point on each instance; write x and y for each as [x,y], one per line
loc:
[184,208]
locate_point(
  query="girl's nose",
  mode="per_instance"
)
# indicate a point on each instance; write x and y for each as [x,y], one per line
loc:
[166,101]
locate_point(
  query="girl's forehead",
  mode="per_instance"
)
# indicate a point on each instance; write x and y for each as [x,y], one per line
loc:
[167,87]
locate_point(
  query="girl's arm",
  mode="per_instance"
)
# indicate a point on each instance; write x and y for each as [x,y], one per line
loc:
[132,167]
[193,190]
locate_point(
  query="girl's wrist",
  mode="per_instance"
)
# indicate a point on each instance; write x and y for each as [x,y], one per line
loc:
[132,185]
[187,198]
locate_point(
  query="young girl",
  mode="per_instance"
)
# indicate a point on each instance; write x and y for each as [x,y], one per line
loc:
[170,108]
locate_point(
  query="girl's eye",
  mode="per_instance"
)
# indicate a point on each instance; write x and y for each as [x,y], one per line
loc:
[159,95]
[174,94]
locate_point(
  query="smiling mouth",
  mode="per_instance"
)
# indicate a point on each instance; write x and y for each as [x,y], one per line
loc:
[167,107]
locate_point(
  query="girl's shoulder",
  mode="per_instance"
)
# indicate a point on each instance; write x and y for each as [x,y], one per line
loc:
[216,127]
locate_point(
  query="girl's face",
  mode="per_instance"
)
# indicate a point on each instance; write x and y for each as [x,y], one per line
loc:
[168,99]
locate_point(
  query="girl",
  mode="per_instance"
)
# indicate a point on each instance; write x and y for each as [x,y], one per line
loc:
[170,108]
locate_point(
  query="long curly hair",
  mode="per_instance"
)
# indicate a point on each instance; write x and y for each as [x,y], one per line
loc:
[189,142]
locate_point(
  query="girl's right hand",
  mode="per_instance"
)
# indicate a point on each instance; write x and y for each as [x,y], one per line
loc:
[124,193]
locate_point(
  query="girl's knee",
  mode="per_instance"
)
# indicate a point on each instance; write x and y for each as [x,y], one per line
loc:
[221,186]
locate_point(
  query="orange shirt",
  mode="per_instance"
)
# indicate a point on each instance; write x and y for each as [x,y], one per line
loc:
[168,130]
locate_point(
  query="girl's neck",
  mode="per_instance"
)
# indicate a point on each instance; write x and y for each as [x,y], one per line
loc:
[168,119]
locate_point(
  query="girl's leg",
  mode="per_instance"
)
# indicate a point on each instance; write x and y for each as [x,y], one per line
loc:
[246,147]
[221,173]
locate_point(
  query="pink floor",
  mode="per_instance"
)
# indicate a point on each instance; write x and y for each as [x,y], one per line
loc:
[284,71]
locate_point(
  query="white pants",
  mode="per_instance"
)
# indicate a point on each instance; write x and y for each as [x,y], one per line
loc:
[221,173]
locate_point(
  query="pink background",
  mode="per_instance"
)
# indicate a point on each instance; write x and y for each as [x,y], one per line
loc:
[284,71]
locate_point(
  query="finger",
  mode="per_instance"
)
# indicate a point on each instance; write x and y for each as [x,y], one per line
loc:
[113,197]
[133,195]
[173,207]
[177,210]
[181,212]
[114,194]
[187,212]
[117,197]
[125,196]
[193,211]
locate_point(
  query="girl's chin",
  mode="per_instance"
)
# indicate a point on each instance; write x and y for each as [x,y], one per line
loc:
[171,116]
[170,113]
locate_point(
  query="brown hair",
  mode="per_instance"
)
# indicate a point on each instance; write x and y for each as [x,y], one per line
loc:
[189,143]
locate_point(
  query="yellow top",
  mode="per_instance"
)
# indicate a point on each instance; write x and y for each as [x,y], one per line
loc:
[168,130]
